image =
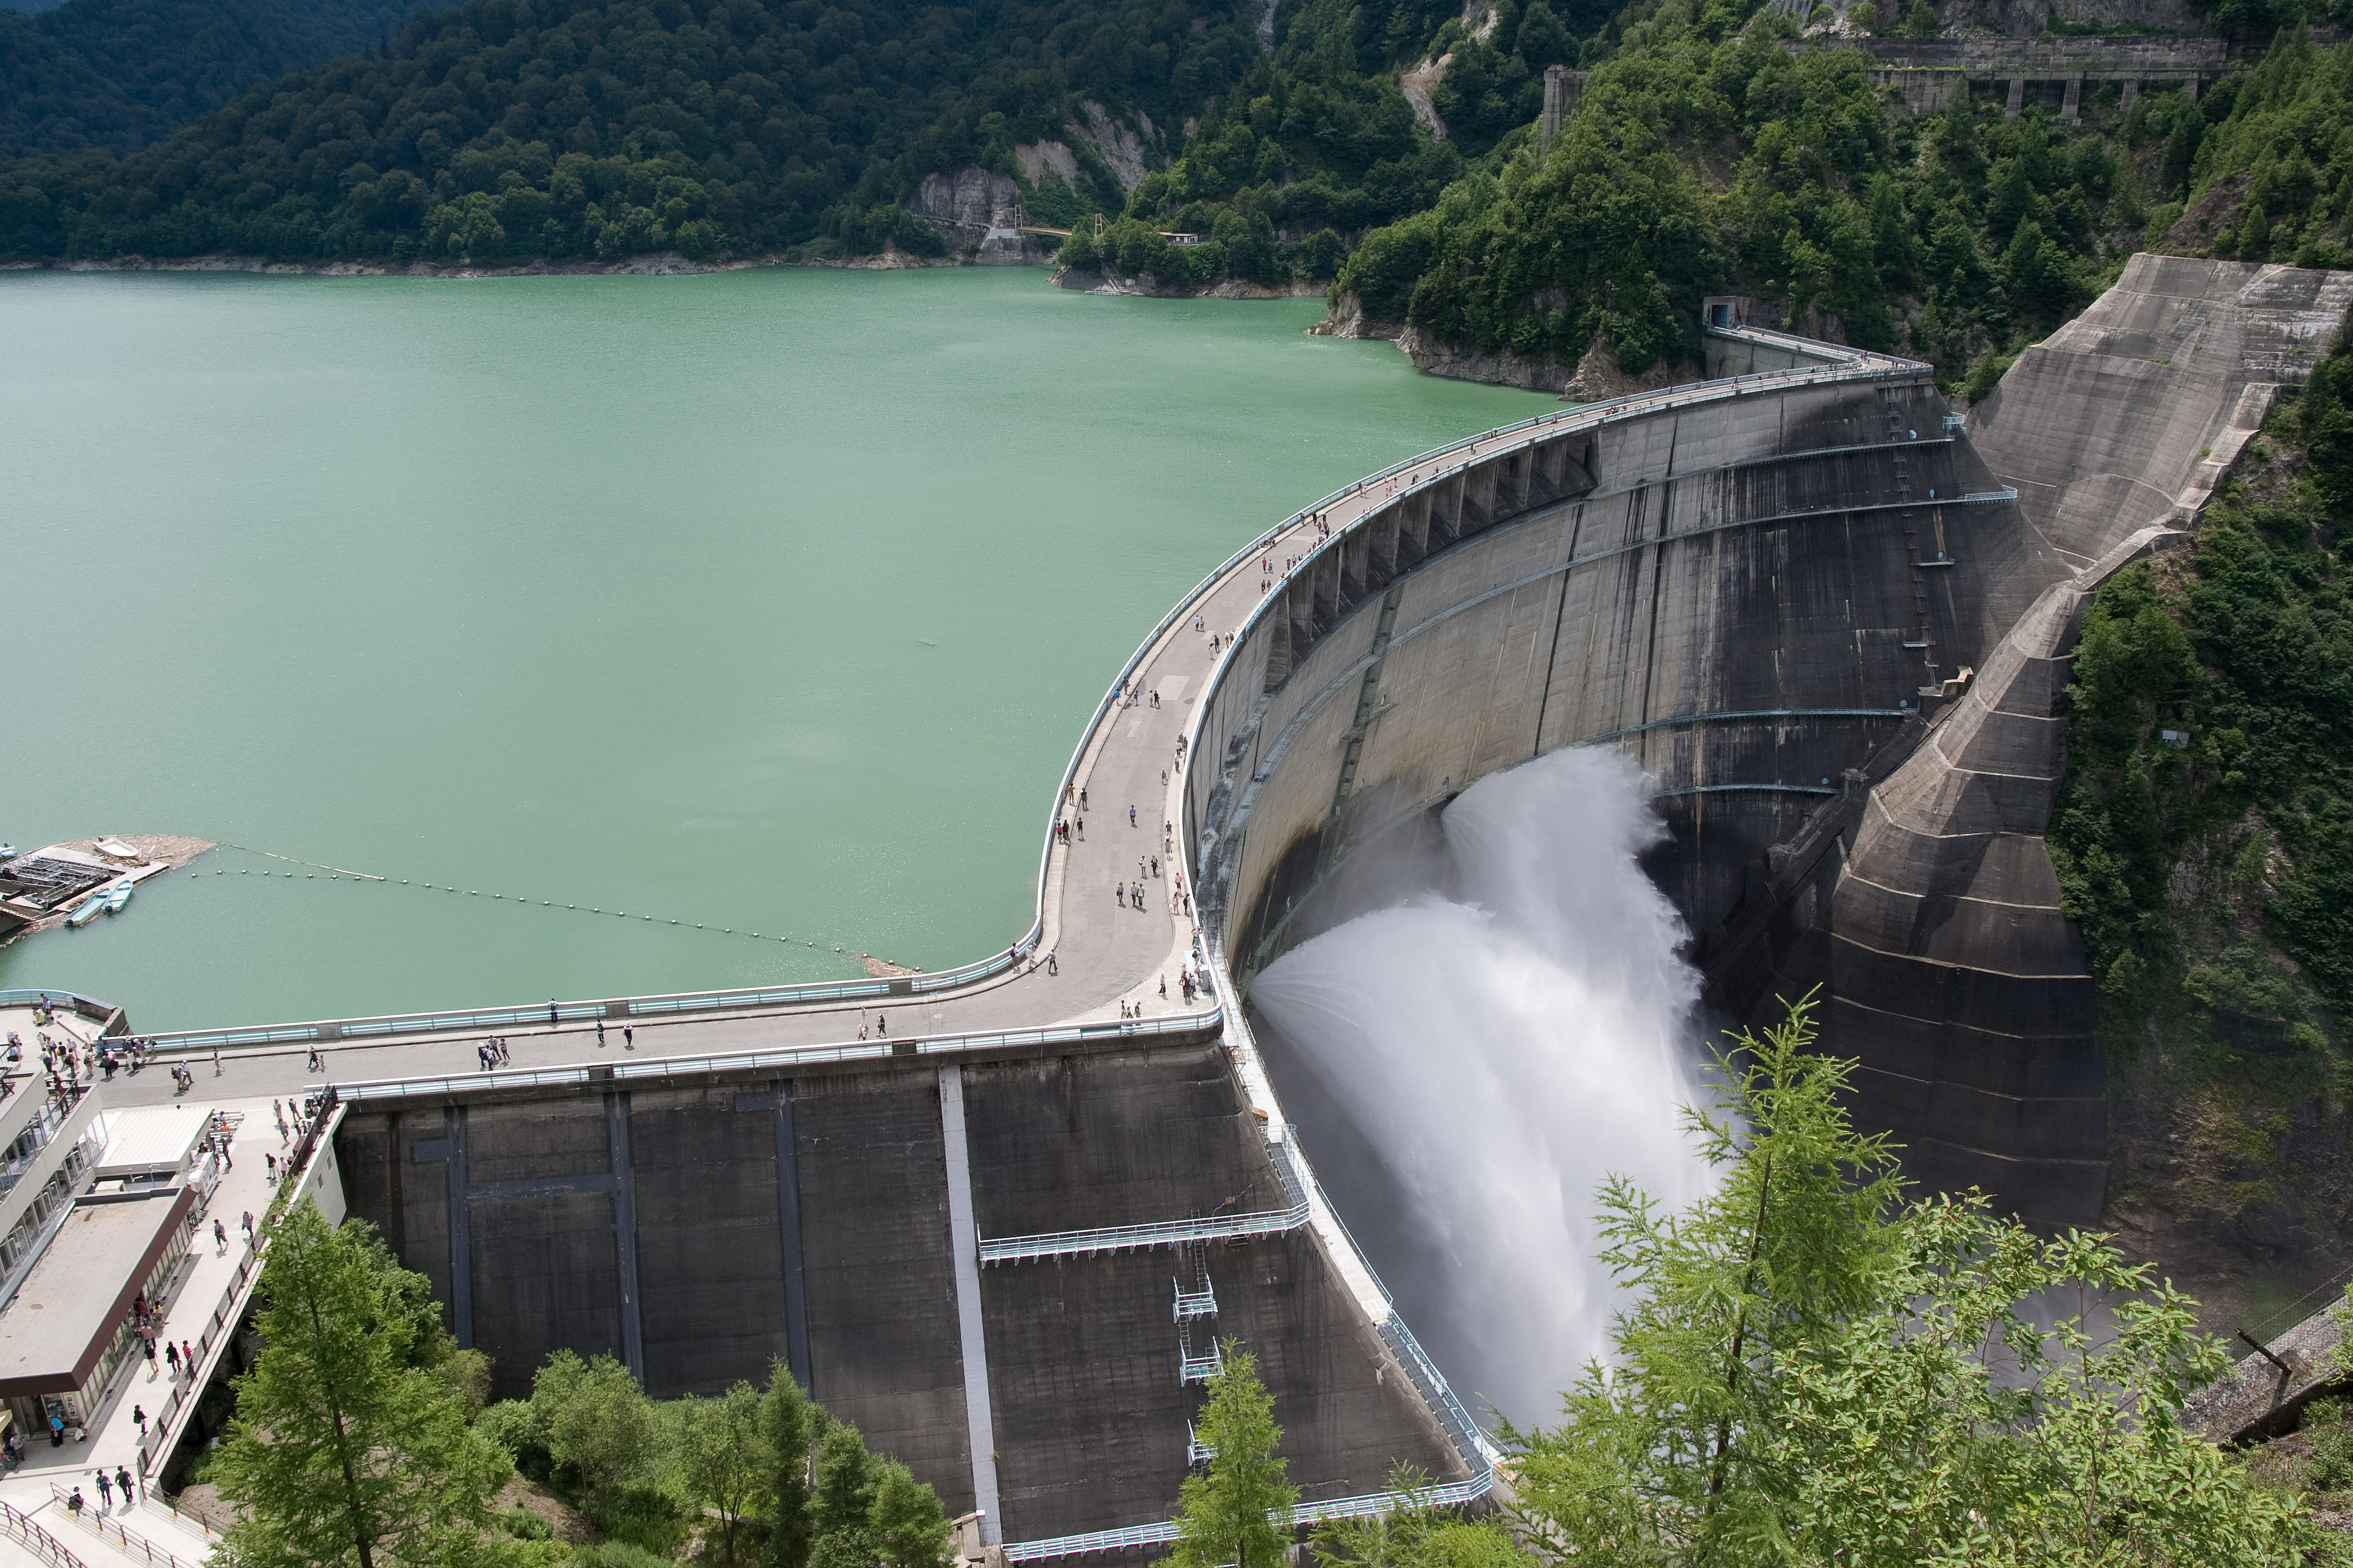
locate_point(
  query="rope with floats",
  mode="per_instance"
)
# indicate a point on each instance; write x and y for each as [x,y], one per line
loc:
[337,872]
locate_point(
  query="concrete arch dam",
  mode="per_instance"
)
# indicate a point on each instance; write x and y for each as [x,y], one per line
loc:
[1004,1240]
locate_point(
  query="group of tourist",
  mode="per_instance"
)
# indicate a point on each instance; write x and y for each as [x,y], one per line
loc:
[147,1322]
[107,1487]
[492,1052]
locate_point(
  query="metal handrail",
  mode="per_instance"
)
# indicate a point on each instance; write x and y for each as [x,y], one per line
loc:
[153,1446]
[1363,1506]
[115,1533]
[88,1007]
[1107,1031]
[1142,1237]
[18,1526]
[1855,364]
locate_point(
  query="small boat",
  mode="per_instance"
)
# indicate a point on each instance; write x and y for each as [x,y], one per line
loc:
[7,851]
[105,902]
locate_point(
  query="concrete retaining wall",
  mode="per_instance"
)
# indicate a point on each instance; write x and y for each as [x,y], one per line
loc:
[658,1225]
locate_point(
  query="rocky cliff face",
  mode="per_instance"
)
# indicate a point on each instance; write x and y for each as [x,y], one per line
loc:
[981,213]
[1593,379]
[2027,18]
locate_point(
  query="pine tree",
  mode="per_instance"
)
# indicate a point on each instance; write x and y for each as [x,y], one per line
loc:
[1806,1372]
[1240,1512]
[787,1422]
[343,1451]
[909,1527]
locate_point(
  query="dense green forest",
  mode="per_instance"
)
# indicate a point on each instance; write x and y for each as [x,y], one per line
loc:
[2204,840]
[1706,157]
[573,129]
[119,73]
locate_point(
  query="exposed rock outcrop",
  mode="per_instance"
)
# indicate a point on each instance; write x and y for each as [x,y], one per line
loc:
[980,212]
[1418,84]
[1037,160]
[1114,142]
[1146,286]
[1348,319]
[1499,367]
[2027,18]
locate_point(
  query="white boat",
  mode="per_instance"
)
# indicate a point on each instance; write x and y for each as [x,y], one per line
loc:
[7,851]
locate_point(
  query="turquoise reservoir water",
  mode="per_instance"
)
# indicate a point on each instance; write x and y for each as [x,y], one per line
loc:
[772,600]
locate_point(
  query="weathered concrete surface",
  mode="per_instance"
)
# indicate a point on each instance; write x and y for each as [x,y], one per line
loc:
[1772,600]
[1724,581]
[1727,590]
[1083,1361]
[657,1225]
[2262,1395]
[2104,425]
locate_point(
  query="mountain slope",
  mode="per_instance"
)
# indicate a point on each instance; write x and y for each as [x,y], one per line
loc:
[507,130]
[119,73]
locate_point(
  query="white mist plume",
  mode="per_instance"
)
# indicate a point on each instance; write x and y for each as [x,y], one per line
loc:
[1497,1054]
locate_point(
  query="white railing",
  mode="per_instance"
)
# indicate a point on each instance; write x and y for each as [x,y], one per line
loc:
[1853,365]
[1142,1237]
[1108,1032]
[1366,1506]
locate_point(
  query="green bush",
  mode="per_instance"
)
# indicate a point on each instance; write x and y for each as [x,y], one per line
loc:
[644,1517]
[513,1426]
[525,1525]
[1986,375]
[619,1554]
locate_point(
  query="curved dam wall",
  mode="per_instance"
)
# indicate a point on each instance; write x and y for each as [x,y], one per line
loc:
[1754,588]
[1767,589]
[1834,624]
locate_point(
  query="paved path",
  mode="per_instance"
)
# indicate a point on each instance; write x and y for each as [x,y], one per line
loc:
[1107,952]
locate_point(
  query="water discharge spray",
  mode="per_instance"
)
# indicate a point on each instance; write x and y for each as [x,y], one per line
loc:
[1482,1057]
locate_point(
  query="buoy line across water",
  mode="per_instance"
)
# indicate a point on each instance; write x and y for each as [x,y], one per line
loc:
[338,872]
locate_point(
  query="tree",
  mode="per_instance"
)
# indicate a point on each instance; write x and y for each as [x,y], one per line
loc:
[722,1450]
[1240,1512]
[845,1481]
[596,1418]
[1814,1368]
[342,1450]
[787,1419]
[909,1529]
[1415,1533]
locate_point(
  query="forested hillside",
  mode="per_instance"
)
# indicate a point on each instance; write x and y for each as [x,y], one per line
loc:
[119,73]
[1706,157]
[2204,840]
[506,129]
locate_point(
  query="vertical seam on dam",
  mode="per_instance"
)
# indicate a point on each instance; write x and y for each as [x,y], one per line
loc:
[788,1235]
[625,1231]
[461,1261]
[1559,615]
[963,1236]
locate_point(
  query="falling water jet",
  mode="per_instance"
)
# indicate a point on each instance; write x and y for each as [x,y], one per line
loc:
[1471,1061]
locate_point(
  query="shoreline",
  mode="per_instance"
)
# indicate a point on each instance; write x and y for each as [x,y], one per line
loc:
[655,264]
